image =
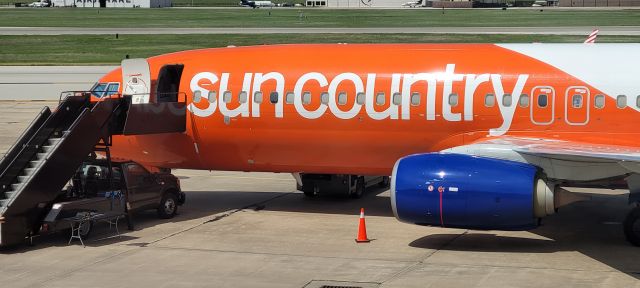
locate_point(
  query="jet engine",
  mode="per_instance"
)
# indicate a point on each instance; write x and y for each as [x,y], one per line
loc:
[463,191]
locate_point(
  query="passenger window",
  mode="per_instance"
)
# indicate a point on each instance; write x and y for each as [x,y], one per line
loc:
[197,96]
[576,101]
[257,97]
[226,96]
[542,100]
[397,98]
[621,101]
[342,98]
[306,97]
[415,98]
[242,97]
[524,100]
[213,96]
[289,98]
[360,98]
[507,100]
[599,101]
[453,99]
[489,100]
[638,101]
[273,97]
[380,98]
[136,174]
[324,97]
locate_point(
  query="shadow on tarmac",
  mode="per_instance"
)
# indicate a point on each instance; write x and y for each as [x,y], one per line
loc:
[592,228]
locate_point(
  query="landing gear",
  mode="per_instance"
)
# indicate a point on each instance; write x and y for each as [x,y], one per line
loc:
[632,226]
[360,187]
[386,180]
[309,190]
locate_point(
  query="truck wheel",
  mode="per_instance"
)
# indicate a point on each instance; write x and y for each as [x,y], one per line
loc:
[631,226]
[168,206]
[360,187]
[85,229]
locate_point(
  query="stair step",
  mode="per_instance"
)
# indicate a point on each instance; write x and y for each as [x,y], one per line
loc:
[54,141]
[47,149]
[33,164]
[16,186]
[4,202]
[29,171]
[23,179]
[41,155]
[9,195]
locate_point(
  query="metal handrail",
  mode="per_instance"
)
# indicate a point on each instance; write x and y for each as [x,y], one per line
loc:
[24,147]
[44,110]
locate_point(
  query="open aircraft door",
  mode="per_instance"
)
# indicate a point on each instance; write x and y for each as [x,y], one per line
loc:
[577,101]
[137,80]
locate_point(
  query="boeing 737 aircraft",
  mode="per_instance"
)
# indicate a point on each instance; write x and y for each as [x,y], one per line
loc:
[477,136]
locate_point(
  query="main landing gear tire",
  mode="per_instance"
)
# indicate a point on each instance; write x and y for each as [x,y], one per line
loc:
[385,181]
[360,187]
[308,190]
[632,226]
[168,206]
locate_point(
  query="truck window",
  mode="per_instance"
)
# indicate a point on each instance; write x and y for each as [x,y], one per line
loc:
[136,174]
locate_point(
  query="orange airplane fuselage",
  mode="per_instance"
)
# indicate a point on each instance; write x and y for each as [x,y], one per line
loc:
[357,109]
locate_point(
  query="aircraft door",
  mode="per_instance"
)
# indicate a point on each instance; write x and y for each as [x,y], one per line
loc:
[168,85]
[136,79]
[577,101]
[542,105]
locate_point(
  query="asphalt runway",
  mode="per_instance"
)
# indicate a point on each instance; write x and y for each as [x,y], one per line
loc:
[46,82]
[608,30]
[254,230]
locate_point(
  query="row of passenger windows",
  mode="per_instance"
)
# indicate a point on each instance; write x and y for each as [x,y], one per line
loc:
[577,100]
[306,97]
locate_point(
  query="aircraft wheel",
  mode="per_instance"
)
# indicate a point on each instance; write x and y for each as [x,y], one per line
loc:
[308,190]
[632,226]
[385,181]
[360,187]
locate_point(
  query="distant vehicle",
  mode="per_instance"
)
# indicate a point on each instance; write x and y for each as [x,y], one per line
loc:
[40,4]
[412,4]
[257,4]
[539,3]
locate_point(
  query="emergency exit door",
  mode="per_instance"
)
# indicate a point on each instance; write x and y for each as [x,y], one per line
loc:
[543,100]
[577,101]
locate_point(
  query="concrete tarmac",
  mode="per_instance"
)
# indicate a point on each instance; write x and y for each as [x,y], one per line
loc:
[46,82]
[254,230]
[577,30]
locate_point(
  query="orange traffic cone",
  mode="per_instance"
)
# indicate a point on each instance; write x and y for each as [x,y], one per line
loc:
[362,229]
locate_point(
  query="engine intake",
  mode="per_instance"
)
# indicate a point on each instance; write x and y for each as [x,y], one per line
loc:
[455,190]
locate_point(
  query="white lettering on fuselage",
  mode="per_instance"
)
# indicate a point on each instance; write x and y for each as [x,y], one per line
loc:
[401,84]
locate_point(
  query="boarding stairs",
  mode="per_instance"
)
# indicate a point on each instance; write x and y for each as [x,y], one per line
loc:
[47,154]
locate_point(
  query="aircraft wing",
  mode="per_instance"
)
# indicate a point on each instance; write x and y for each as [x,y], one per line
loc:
[560,159]
[567,150]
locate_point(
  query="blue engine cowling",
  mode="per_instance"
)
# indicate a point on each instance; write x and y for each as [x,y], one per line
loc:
[462,191]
